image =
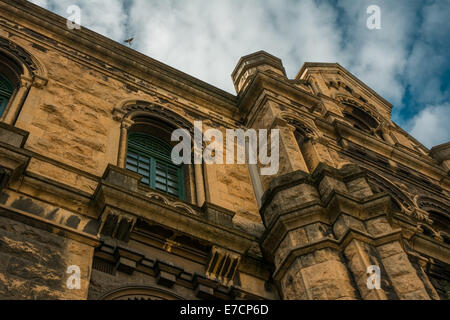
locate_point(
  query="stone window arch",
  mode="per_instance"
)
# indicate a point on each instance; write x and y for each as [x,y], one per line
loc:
[19,73]
[152,125]
[362,120]
[438,212]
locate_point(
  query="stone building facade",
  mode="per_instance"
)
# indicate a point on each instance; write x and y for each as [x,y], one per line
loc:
[86,188]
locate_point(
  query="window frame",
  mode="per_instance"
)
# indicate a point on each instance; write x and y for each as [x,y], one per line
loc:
[6,91]
[147,159]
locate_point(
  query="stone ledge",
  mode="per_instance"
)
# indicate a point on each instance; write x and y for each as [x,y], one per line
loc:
[218,214]
[48,226]
[283,182]
[264,80]
[13,136]
[280,183]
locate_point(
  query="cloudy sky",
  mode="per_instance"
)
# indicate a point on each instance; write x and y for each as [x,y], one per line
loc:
[406,61]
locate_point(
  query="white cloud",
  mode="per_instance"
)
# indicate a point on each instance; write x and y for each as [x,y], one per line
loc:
[430,126]
[206,39]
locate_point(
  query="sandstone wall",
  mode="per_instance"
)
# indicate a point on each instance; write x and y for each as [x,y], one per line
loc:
[34,263]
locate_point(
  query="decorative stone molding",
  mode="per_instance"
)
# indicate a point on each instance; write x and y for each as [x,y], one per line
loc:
[176,204]
[429,203]
[118,114]
[366,107]
[427,229]
[34,69]
[131,106]
[302,127]
[20,54]
[379,183]
[39,82]
[126,124]
[119,258]
[26,82]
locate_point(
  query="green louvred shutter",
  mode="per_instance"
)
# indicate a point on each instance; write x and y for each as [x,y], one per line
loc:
[151,157]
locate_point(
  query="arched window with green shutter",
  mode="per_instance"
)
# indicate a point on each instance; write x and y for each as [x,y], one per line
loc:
[151,157]
[6,90]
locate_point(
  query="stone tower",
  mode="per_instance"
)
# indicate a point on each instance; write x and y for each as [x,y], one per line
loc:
[349,194]
[91,206]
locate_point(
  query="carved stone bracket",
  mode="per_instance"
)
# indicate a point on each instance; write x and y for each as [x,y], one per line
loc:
[117,225]
[12,161]
[39,82]
[118,114]
[222,265]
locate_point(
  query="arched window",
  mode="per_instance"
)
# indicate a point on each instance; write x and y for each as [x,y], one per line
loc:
[6,90]
[150,156]
[362,120]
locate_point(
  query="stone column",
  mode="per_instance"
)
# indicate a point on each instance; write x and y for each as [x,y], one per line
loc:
[291,158]
[17,101]
[199,184]
[126,124]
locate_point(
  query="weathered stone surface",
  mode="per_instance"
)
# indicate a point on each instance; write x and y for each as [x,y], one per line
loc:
[321,281]
[33,263]
[346,223]
[378,226]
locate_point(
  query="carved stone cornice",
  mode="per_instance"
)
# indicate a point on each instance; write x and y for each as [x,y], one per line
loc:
[120,257]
